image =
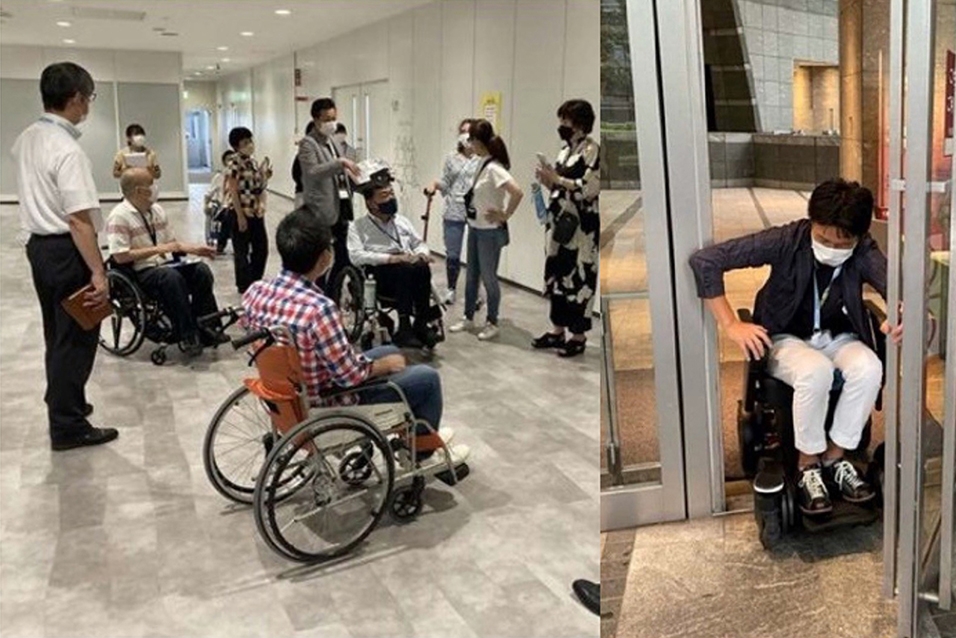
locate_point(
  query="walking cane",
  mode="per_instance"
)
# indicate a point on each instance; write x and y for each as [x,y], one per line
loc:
[428,211]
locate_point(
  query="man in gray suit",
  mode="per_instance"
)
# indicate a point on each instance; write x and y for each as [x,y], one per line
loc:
[326,187]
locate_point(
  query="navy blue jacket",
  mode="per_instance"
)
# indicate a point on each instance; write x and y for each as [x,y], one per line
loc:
[789,253]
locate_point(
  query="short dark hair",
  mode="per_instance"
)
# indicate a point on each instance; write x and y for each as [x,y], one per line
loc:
[844,205]
[135,129]
[226,155]
[301,239]
[239,135]
[579,112]
[340,128]
[309,127]
[61,81]
[322,104]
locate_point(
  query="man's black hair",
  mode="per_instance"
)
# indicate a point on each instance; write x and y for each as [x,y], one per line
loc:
[301,239]
[61,81]
[239,135]
[322,104]
[844,205]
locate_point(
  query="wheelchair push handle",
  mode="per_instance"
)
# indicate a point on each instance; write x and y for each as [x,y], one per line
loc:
[252,337]
[229,311]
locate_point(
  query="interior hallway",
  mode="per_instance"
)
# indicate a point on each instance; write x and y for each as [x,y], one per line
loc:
[129,539]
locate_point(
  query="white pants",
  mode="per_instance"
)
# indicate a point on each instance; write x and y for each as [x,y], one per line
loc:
[809,371]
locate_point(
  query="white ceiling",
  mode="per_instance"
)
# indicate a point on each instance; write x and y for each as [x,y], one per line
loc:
[201,25]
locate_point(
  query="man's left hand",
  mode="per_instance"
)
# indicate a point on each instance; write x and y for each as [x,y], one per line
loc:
[894,333]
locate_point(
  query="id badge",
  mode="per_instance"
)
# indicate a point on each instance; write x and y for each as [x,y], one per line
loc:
[821,339]
[343,193]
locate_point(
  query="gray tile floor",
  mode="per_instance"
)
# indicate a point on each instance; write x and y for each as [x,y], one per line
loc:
[130,540]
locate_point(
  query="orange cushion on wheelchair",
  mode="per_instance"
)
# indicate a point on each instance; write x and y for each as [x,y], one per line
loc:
[279,367]
[428,442]
[285,408]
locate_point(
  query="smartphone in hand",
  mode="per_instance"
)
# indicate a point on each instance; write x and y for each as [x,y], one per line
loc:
[542,159]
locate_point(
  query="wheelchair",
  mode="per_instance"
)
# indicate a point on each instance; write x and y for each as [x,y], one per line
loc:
[366,314]
[136,317]
[319,479]
[769,456]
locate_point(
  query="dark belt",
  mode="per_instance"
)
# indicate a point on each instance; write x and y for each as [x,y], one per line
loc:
[60,236]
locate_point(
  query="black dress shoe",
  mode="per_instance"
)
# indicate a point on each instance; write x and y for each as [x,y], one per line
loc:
[87,409]
[571,348]
[96,436]
[548,340]
[589,594]
[213,339]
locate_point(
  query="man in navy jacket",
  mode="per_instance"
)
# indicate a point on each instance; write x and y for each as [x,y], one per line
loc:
[810,315]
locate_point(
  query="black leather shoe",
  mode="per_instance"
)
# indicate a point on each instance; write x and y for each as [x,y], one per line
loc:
[571,348]
[548,340]
[96,436]
[589,594]
[87,409]
[213,339]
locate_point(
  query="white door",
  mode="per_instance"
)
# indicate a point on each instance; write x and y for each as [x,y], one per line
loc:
[364,109]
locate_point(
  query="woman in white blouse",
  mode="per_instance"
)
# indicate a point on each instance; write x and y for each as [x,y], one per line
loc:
[489,205]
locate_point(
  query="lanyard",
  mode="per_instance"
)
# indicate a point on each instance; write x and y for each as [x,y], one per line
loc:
[818,299]
[149,227]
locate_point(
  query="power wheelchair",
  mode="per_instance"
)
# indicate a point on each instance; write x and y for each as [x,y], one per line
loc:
[137,317]
[367,314]
[769,456]
[319,479]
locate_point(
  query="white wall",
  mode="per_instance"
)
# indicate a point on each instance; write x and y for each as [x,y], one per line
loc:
[438,60]
[116,73]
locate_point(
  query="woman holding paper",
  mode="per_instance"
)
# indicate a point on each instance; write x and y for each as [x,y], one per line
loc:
[136,154]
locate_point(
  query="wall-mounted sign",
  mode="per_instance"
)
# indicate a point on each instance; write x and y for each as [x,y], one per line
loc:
[298,77]
[490,109]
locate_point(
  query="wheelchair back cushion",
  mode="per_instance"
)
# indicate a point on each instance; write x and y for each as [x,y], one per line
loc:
[279,385]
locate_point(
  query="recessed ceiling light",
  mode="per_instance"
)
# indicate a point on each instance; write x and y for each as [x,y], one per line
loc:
[197,72]
[226,60]
[210,68]
[222,48]
[283,12]
[247,34]
[69,41]
[64,23]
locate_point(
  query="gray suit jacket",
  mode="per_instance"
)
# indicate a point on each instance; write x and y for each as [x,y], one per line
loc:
[320,172]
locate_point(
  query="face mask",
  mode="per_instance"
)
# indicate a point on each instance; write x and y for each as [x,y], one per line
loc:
[830,256]
[249,151]
[565,133]
[340,138]
[153,193]
[328,128]
[388,208]
[139,140]
[464,141]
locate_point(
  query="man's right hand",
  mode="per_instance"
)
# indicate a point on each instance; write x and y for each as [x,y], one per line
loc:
[100,293]
[389,364]
[350,167]
[750,337]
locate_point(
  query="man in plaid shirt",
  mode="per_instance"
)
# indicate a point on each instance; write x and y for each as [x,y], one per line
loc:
[329,362]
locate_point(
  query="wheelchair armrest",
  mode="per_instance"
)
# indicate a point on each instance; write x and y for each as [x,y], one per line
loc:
[377,382]
[877,316]
[754,369]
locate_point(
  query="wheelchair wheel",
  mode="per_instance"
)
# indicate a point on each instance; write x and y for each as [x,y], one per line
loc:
[747,438]
[407,501]
[348,292]
[123,332]
[324,515]
[237,442]
[769,515]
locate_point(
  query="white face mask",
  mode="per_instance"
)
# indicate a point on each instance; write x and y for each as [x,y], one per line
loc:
[830,256]
[328,128]
[153,193]
[463,141]
[139,140]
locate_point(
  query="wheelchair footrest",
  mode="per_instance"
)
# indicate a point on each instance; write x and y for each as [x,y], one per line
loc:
[461,471]
[843,515]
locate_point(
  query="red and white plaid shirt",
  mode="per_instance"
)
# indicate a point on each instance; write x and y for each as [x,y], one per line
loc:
[329,361]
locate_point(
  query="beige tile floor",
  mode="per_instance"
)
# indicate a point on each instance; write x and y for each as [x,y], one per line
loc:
[130,540]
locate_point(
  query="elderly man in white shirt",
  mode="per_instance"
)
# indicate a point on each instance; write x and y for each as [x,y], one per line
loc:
[60,210]
[387,243]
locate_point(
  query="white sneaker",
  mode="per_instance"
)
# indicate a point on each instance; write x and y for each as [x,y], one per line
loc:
[490,331]
[464,324]
[449,298]
[459,454]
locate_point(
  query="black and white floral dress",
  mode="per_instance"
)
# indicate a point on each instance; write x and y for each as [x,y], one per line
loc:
[571,269]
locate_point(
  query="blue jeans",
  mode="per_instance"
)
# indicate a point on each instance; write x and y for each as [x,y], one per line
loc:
[454,238]
[484,252]
[420,383]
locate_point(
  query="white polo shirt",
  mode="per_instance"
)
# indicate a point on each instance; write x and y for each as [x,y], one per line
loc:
[54,177]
